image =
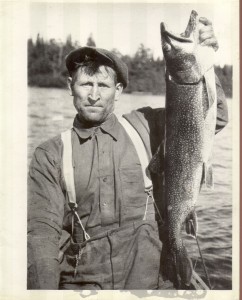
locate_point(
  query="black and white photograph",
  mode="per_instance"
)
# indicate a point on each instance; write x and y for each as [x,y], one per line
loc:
[131,125]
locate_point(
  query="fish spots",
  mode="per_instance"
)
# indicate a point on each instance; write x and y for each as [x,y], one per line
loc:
[189,118]
[184,146]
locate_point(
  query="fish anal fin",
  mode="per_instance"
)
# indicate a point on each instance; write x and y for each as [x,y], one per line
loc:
[207,177]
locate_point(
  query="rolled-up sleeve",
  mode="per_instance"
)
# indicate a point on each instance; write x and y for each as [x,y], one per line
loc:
[45,217]
[222,107]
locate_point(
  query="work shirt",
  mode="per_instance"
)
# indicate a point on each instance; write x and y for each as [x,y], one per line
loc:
[109,187]
[108,180]
[108,177]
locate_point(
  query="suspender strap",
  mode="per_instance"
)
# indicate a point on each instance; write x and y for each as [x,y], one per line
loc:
[141,151]
[141,125]
[68,172]
[68,167]
[144,161]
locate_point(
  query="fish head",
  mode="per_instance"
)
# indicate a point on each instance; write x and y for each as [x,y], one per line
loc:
[179,52]
[186,60]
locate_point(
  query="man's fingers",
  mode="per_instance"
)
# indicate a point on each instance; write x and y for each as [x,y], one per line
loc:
[205,21]
[209,42]
[206,35]
[212,42]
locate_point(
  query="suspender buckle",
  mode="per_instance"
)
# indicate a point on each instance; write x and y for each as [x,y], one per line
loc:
[149,190]
[73,206]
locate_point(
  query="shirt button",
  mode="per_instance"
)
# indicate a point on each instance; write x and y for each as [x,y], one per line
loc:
[105,179]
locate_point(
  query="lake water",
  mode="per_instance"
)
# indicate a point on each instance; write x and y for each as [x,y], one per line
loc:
[50,111]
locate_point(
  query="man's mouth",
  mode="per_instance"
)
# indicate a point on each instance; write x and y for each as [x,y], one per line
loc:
[94,106]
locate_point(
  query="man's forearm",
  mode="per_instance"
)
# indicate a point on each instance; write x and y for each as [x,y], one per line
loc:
[43,264]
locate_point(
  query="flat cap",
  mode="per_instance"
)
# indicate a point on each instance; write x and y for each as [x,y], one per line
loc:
[103,56]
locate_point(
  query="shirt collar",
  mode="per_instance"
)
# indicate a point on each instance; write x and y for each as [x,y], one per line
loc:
[109,126]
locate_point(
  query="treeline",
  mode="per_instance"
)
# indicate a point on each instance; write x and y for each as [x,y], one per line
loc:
[46,67]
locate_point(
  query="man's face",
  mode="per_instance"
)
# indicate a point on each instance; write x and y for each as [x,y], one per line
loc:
[94,96]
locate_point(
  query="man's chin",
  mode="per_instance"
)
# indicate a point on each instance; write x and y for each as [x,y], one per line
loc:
[92,119]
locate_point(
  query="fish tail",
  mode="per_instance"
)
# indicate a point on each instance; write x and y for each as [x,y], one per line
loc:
[183,265]
[176,266]
[168,269]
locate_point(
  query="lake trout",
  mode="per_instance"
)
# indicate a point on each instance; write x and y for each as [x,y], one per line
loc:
[190,128]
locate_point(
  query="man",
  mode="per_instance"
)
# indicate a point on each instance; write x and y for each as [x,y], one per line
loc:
[115,241]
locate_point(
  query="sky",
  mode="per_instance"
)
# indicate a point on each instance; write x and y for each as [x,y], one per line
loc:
[125,26]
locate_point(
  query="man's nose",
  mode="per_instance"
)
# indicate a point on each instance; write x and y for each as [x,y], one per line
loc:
[94,95]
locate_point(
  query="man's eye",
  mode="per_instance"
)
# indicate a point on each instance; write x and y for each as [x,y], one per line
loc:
[103,85]
[87,84]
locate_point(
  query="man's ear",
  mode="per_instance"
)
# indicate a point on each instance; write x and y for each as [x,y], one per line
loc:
[118,92]
[69,81]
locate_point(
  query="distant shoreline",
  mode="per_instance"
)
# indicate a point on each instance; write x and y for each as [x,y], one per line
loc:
[137,93]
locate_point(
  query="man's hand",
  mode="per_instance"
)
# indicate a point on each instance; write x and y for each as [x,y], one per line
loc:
[206,34]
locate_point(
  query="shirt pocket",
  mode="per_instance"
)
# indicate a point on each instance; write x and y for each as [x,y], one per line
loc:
[132,186]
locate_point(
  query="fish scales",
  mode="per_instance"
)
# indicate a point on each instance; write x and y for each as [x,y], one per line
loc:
[190,129]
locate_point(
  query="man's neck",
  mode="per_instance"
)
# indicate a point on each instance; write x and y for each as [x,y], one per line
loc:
[86,124]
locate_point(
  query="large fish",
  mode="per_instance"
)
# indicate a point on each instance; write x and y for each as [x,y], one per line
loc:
[190,128]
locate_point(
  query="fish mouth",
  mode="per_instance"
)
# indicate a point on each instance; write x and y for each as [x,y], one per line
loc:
[168,36]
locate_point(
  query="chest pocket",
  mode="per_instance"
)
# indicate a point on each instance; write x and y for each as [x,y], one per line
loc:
[132,186]
[133,194]
[136,192]
[136,203]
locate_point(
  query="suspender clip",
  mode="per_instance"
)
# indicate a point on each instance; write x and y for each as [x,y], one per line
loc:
[73,206]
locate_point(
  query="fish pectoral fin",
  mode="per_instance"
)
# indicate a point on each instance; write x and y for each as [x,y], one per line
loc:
[207,177]
[156,165]
[191,224]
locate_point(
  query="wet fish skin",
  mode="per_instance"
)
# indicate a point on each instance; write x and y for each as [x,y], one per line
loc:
[183,165]
[190,128]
